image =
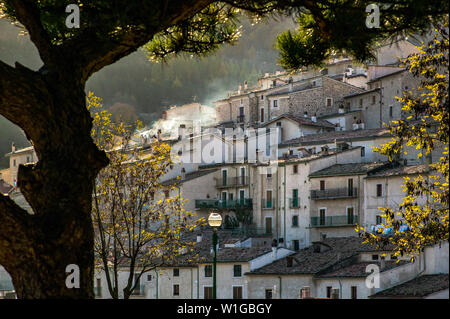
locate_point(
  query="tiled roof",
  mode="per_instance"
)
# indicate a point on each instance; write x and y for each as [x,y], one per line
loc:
[5,188]
[386,75]
[188,177]
[303,121]
[348,169]
[337,135]
[361,93]
[418,287]
[202,250]
[22,150]
[307,261]
[400,170]
[359,269]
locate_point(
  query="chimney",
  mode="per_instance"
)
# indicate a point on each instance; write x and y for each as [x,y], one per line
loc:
[13,147]
[289,261]
[382,264]
[159,135]
[305,292]
[245,85]
[335,293]
[239,88]
[274,253]
[305,114]
[199,238]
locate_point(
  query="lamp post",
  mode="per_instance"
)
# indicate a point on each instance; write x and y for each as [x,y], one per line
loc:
[214,220]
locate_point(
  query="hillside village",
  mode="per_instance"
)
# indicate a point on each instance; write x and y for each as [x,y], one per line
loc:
[299,159]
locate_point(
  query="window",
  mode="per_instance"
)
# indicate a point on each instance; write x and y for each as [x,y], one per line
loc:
[279,124]
[208,271]
[379,220]
[354,292]
[98,288]
[262,97]
[350,187]
[149,277]
[14,162]
[322,213]
[176,272]
[322,185]
[379,190]
[207,292]
[295,169]
[374,257]
[28,159]
[329,102]
[269,199]
[275,103]
[363,151]
[295,221]
[373,99]
[296,244]
[269,172]
[329,291]
[262,115]
[237,271]
[176,290]
[350,216]
[390,111]
[268,294]
[166,193]
[237,292]
[361,102]
[137,289]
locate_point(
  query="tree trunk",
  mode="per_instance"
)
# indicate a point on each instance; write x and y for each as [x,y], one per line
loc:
[36,249]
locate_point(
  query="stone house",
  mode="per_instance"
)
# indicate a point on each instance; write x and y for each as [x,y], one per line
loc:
[291,126]
[313,144]
[337,198]
[318,95]
[384,188]
[16,157]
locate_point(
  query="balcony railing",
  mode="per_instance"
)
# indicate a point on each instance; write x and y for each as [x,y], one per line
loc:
[334,221]
[240,118]
[334,193]
[294,202]
[223,204]
[267,203]
[232,181]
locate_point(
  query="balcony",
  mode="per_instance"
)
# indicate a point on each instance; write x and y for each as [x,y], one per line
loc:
[334,193]
[240,119]
[294,202]
[232,182]
[267,203]
[334,221]
[223,204]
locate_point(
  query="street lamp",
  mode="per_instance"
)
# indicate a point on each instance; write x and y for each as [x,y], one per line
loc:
[214,220]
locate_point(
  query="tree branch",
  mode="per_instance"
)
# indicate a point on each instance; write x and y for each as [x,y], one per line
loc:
[28,14]
[13,221]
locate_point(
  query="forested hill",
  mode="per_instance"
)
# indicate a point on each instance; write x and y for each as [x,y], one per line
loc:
[145,87]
